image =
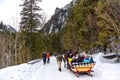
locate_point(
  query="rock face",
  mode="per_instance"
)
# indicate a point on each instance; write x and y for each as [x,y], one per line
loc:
[7,28]
[57,21]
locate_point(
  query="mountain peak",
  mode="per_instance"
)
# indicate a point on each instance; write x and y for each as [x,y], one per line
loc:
[9,28]
[57,21]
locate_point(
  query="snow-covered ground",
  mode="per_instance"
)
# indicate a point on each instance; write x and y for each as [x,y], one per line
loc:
[103,70]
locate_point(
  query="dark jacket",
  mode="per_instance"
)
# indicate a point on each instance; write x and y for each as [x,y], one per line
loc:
[44,55]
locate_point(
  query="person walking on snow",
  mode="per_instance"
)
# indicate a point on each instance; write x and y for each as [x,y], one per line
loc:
[48,57]
[44,57]
[59,58]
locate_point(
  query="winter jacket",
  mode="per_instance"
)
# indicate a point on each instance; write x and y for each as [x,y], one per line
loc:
[48,55]
[70,59]
[86,60]
[44,55]
[59,58]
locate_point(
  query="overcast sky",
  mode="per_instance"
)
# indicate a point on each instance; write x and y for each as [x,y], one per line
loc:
[9,10]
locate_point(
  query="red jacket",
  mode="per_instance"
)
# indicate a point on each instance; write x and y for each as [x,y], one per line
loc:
[48,55]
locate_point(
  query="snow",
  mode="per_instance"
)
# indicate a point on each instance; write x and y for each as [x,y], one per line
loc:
[51,28]
[103,70]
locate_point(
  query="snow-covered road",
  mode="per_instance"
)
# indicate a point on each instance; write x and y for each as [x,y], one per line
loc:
[38,71]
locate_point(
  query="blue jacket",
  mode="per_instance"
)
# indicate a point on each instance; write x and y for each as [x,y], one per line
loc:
[86,60]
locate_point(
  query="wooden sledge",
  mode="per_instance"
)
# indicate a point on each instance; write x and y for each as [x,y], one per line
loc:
[79,67]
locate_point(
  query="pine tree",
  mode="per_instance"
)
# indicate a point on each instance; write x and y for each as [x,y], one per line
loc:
[30,22]
[30,18]
[81,26]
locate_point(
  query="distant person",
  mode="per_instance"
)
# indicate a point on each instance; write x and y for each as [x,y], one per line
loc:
[55,54]
[48,57]
[59,58]
[44,57]
[68,54]
[83,55]
[65,58]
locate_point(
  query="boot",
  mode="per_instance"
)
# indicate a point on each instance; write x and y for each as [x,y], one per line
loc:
[44,63]
[60,69]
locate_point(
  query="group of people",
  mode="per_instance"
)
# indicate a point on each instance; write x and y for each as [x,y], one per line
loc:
[68,57]
[46,57]
[79,57]
[76,57]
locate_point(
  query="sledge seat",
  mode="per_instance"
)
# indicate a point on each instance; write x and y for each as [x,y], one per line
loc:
[80,67]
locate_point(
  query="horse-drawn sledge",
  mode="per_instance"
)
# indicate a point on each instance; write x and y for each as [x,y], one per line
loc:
[81,67]
[80,64]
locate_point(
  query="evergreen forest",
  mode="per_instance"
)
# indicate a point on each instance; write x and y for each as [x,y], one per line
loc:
[92,26]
